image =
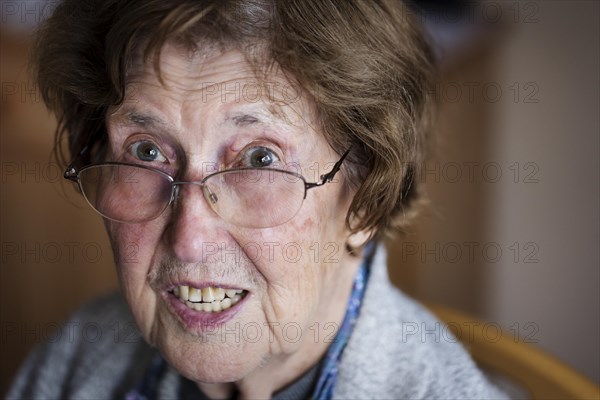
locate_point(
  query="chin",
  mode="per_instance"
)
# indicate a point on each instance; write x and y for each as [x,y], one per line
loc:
[209,360]
[212,369]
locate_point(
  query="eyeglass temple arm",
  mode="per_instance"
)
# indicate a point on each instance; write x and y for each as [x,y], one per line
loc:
[71,171]
[328,177]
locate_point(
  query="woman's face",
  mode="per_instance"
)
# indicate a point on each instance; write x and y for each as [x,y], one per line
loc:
[287,285]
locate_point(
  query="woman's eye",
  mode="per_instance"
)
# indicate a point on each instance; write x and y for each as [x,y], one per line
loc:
[146,151]
[259,157]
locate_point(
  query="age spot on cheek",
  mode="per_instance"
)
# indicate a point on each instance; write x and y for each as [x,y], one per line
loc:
[308,224]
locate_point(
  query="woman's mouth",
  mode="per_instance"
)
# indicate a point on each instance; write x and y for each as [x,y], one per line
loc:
[208,299]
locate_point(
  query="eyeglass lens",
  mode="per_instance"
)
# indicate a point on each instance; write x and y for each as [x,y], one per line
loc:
[251,197]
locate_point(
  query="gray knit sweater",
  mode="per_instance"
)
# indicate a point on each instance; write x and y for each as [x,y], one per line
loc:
[390,355]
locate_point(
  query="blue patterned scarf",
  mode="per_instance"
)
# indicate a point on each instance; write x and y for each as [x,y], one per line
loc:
[326,382]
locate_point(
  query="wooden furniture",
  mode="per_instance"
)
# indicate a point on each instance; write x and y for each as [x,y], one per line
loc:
[543,376]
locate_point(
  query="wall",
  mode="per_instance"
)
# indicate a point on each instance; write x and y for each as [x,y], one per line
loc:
[512,235]
[558,214]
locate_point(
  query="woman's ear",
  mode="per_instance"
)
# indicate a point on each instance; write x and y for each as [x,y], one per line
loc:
[356,241]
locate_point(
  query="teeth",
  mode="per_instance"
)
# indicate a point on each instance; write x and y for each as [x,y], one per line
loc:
[208,299]
[207,295]
[195,295]
[219,294]
[225,303]
[183,292]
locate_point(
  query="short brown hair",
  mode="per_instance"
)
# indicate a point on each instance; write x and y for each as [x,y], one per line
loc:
[365,63]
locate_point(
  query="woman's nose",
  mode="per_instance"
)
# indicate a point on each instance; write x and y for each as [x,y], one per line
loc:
[194,226]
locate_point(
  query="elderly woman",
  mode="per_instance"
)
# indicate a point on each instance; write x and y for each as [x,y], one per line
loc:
[246,157]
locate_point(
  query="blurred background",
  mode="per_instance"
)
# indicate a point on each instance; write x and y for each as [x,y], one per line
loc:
[512,233]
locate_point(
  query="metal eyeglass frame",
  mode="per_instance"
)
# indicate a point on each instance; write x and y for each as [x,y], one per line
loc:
[72,173]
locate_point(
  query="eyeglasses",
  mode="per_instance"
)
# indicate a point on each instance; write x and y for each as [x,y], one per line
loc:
[246,197]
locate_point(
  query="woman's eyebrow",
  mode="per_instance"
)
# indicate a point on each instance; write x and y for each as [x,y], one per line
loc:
[243,119]
[148,120]
[274,115]
[143,120]
[132,117]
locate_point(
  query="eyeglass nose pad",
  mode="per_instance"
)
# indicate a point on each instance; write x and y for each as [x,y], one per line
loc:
[210,195]
[175,194]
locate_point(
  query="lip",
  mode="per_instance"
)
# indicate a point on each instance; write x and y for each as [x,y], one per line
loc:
[200,321]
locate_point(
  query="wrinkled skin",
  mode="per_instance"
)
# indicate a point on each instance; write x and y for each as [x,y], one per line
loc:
[298,275]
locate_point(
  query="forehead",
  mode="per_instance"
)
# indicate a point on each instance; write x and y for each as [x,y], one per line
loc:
[212,99]
[214,77]
[181,69]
